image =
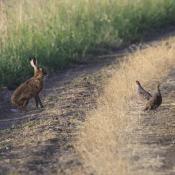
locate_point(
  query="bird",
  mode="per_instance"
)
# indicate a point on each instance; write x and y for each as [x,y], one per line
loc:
[155,101]
[142,92]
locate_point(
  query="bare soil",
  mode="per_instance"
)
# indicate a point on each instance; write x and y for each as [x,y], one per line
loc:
[150,145]
[41,141]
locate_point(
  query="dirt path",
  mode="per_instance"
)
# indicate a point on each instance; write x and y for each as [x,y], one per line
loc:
[150,145]
[41,141]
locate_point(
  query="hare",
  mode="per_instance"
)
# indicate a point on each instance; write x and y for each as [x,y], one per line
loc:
[155,101]
[30,88]
[142,92]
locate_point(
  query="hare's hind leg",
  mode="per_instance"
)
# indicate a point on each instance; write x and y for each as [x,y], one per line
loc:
[24,105]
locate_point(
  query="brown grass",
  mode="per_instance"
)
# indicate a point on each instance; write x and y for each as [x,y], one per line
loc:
[100,139]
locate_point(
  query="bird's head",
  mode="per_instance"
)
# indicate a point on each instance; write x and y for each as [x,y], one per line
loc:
[137,82]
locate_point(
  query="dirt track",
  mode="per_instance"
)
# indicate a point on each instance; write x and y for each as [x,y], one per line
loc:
[43,143]
[151,146]
[40,141]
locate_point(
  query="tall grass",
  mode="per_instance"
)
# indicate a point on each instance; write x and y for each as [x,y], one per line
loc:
[103,134]
[58,32]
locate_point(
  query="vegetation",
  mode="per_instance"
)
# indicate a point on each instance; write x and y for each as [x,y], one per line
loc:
[60,32]
[107,129]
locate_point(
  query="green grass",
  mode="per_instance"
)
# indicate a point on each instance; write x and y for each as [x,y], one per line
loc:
[59,32]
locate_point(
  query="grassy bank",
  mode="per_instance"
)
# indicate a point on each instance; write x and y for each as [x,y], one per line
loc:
[104,133]
[60,32]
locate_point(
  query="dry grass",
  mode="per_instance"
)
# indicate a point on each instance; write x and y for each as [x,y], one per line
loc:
[100,139]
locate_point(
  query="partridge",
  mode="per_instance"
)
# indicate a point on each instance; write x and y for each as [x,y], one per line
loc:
[142,93]
[155,101]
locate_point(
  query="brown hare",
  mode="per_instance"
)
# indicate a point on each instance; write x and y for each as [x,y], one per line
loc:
[142,93]
[155,101]
[30,88]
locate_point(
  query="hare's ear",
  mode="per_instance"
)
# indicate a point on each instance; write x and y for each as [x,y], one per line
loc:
[33,62]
